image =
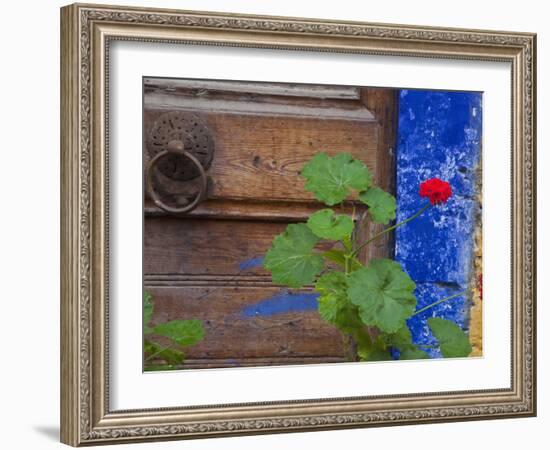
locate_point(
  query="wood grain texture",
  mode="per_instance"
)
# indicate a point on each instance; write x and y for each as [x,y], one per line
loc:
[208,247]
[260,158]
[176,246]
[384,105]
[277,211]
[197,266]
[250,89]
[257,98]
[236,335]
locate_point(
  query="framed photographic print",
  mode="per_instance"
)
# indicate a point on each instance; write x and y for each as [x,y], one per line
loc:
[275,224]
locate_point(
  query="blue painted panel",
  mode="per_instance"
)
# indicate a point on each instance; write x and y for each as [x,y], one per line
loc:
[439,135]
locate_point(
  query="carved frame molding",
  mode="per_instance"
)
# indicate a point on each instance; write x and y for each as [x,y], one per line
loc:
[86,31]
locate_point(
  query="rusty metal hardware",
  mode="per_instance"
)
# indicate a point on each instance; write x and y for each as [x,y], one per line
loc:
[180,147]
[175,148]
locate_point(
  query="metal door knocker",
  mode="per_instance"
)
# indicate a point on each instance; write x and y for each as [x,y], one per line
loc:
[181,148]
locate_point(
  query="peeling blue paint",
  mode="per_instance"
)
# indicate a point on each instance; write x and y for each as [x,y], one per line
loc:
[281,303]
[251,263]
[438,245]
[439,135]
[455,309]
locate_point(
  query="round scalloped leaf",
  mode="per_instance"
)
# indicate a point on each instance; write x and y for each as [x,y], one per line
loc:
[373,350]
[327,225]
[331,178]
[402,341]
[334,306]
[384,294]
[453,342]
[291,259]
[182,332]
[412,353]
[381,204]
[332,289]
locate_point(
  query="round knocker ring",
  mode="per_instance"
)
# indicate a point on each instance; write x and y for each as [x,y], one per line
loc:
[175,148]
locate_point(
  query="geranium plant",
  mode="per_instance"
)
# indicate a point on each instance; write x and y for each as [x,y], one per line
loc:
[370,303]
[181,334]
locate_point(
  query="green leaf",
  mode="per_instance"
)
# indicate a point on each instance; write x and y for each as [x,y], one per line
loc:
[375,351]
[156,351]
[384,294]
[373,354]
[339,257]
[159,367]
[412,353]
[335,255]
[327,225]
[334,306]
[348,244]
[291,259]
[330,179]
[453,342]
[332,289]
[401,339]
[381,204]
[182,332]
[329,306]
[147,313]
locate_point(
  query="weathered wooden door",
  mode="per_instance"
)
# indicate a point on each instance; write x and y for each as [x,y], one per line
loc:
[253,139]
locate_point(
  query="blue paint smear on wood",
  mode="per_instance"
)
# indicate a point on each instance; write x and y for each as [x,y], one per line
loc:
[251,263]
[233,362]
[439,135]
[282,303]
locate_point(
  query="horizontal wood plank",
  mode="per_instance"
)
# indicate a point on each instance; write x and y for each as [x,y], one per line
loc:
[277,211]
[260,158]
[247,89]
[175,246]
[274,106]
[208,247]
[212,363]
[242,323]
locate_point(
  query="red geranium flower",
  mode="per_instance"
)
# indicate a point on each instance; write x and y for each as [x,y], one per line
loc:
[436,190]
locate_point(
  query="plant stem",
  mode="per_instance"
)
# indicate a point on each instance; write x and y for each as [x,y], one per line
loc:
[387,230]
[431,305]
[346,264]
[160,351]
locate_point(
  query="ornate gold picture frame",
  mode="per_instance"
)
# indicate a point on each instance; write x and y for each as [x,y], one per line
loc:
[87,33]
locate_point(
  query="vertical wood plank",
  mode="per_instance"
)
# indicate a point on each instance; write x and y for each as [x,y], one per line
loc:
[383,103]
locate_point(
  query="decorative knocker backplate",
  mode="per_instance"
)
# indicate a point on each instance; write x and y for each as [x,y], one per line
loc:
[180,146]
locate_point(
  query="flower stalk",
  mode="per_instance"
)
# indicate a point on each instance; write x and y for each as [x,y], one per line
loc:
[431,305]
[387,230]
